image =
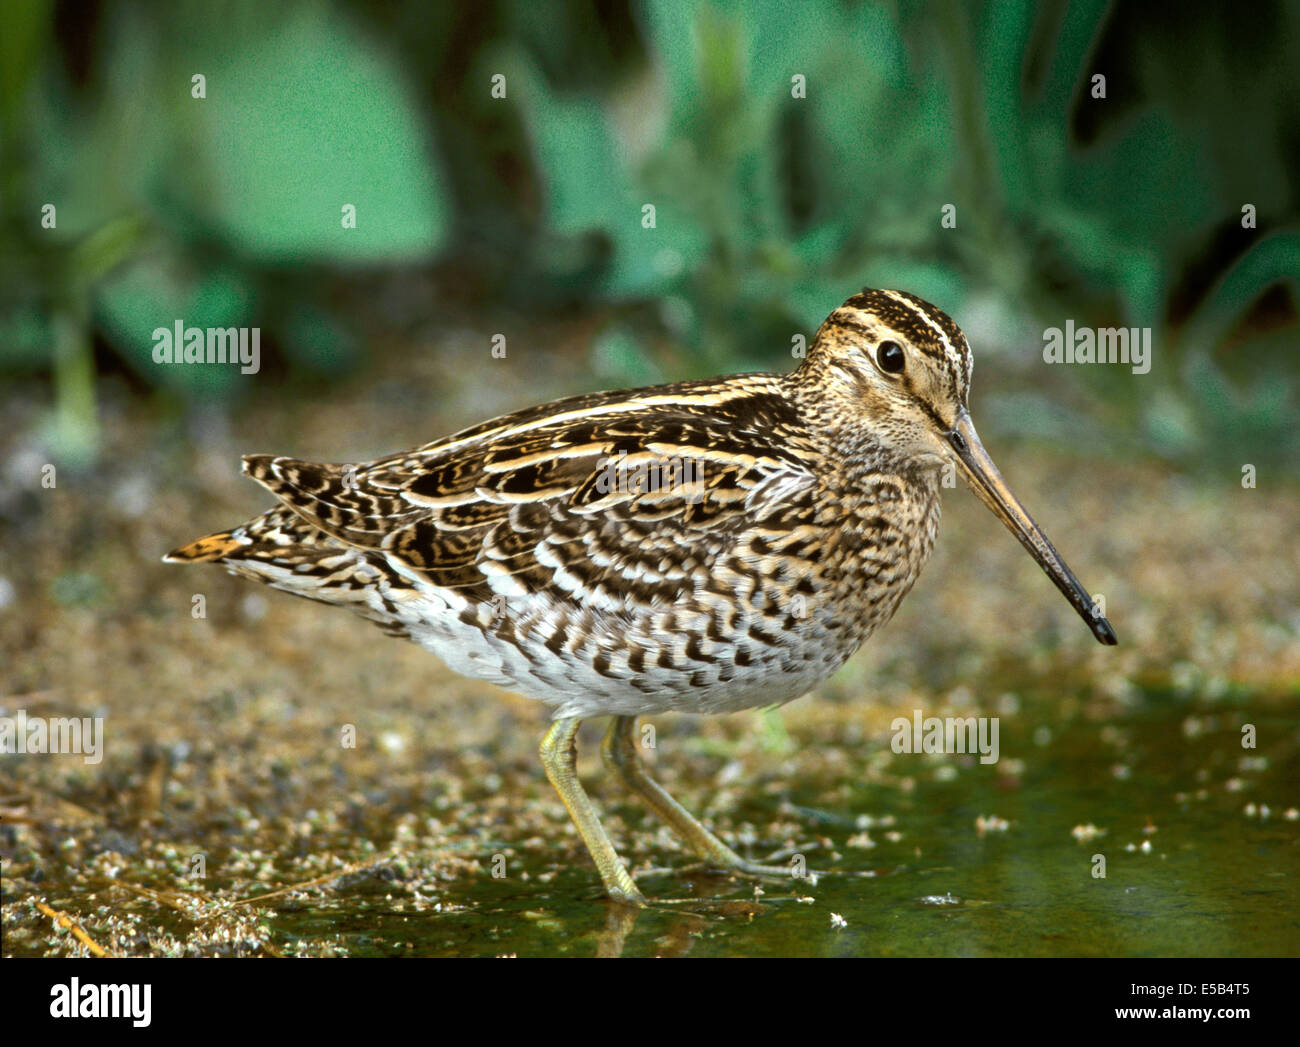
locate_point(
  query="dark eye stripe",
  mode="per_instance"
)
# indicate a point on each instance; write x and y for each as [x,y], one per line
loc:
[921,339]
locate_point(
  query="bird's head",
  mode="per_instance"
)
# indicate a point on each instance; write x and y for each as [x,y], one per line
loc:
[897,365]
[890,374]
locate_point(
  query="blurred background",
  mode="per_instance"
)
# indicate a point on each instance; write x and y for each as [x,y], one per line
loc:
[194,162]
[774,199]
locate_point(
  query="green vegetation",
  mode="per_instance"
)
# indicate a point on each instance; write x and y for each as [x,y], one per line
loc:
[790,152]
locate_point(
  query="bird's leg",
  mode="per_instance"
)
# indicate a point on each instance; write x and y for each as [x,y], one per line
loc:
[619,750]
[559,756]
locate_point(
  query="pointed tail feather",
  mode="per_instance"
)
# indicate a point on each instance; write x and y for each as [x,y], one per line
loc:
[208,549]
[261,468]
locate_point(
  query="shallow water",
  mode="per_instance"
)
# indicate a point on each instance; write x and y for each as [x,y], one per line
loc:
[1200,839]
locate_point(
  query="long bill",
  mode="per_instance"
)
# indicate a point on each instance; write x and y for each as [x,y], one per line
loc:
[987,482]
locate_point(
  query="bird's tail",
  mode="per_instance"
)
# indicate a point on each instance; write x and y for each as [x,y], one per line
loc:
[208,549]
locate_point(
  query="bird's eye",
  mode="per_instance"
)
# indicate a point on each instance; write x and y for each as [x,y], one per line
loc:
[889,355]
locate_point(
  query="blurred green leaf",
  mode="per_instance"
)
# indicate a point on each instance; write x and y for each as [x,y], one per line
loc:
[22,44]
[155,291]
[302,117]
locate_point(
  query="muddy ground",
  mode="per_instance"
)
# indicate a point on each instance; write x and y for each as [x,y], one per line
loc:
[226,801]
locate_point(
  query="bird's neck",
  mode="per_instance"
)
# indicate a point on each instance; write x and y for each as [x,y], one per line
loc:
[852,439]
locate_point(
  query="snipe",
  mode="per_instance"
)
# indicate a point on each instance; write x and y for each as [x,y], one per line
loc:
[700,547]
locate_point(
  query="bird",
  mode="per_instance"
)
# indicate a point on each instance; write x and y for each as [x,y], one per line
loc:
[704,546]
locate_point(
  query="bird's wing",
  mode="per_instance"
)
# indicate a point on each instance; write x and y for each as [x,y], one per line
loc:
[610,500]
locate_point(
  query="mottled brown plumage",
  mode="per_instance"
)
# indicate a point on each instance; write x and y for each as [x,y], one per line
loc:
[701,547]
